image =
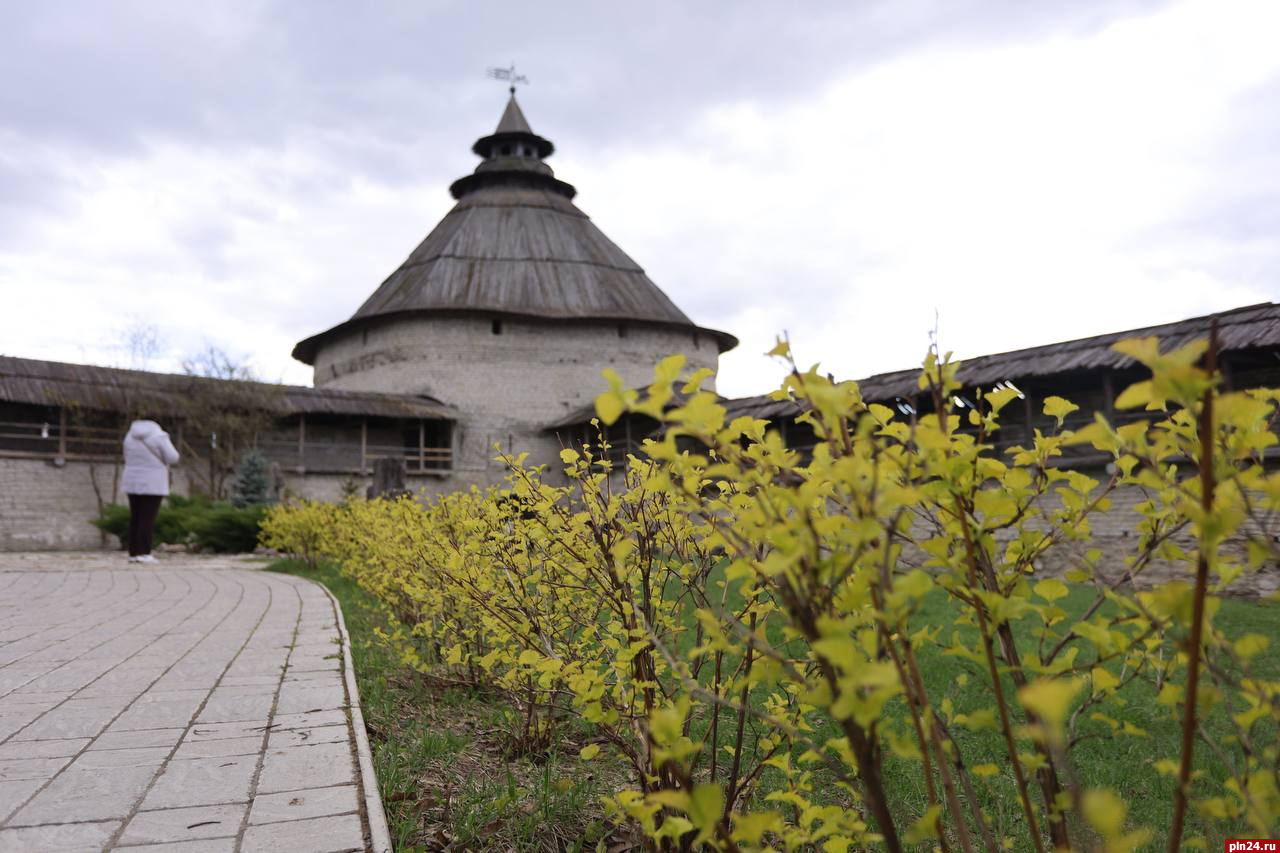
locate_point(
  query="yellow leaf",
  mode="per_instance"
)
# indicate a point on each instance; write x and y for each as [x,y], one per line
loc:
[926,827]
[985,770]
[1137,394]
[1050,698]
[668,369]
[1105,811]
[751,827]
[1250,645]
[609,406]
[1144,350]
[672,798]
[1051,589]
[999,398]
[1103,679]
[1058,408]
[706,805]
[979,720]
[673,827]
[589,751]
[699,376]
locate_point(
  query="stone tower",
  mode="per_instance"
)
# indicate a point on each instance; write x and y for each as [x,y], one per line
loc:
[509,310]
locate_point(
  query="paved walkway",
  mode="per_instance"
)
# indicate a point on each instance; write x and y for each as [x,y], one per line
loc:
[200,705]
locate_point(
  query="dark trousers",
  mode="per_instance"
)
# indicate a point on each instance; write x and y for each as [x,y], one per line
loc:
[143,510]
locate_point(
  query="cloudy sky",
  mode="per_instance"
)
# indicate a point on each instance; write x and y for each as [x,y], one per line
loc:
[244,174]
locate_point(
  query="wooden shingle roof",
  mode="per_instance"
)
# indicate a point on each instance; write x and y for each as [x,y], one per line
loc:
[1243,328]
[57,383]
[516,245]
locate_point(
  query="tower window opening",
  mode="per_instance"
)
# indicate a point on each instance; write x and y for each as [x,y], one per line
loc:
[497,327]
[364,336]
[622,330]
[505,150]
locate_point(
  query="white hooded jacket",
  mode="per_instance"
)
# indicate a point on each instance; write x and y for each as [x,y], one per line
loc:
[148,453]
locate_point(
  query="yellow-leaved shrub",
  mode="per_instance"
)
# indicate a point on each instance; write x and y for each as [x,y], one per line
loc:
[738,622]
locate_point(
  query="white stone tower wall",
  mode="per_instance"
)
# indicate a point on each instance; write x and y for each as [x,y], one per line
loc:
[535,372]
[508,387]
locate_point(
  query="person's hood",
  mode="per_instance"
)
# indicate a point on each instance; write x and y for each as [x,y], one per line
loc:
[142,430]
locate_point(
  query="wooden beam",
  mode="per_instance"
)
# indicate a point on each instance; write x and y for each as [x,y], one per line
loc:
[422,444]
[62,432]
[364,443]
[1108,397]
[302,440]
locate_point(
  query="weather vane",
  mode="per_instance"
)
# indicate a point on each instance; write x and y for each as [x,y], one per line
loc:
[510,76]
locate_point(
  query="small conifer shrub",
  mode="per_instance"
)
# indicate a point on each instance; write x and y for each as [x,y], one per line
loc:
[251,484]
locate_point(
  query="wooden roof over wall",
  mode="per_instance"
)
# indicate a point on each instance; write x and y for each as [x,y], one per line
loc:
[1253,326]
[56,383]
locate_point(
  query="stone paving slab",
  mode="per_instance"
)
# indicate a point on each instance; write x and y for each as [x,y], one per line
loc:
[201,704]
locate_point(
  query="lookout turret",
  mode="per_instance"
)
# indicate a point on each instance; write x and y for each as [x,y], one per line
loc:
[513,155]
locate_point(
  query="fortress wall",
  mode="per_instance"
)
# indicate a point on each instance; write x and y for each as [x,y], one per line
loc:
[43,507]
[1116,533]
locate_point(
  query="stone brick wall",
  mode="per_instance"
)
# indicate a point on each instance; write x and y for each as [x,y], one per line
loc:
[1115,533]
[44,507]
[533,372]
[329,487]
[47,507]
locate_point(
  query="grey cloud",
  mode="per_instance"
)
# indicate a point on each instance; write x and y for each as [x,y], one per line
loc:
[393,91]
[259,71]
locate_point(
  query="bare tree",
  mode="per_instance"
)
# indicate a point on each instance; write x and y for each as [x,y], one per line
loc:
[139,344]
[226,410]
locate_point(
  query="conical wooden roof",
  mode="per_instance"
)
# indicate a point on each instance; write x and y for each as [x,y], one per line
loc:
[516,245]
[513,120]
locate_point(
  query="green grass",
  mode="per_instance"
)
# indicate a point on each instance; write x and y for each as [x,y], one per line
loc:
[1123,763]
[439,753]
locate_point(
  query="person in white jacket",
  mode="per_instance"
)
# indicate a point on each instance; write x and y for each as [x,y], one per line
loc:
[148,453]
